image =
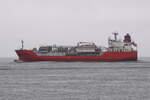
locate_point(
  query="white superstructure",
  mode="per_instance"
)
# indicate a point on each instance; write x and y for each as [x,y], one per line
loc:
[127,45]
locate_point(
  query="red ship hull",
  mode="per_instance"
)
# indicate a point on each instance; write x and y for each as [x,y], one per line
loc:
[29,55]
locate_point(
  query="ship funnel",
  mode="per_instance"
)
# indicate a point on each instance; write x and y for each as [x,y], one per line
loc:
[127,38]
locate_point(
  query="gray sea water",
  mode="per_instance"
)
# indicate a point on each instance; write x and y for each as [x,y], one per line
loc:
[75,80]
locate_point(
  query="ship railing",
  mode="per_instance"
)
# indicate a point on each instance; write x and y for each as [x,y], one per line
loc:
[121,50]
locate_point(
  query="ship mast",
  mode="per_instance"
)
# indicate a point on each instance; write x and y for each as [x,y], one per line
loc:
[22,44]
[115,35]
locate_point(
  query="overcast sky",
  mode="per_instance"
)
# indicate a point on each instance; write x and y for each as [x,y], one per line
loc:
[44,22]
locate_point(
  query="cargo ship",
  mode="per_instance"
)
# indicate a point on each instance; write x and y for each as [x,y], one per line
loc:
[117,50]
